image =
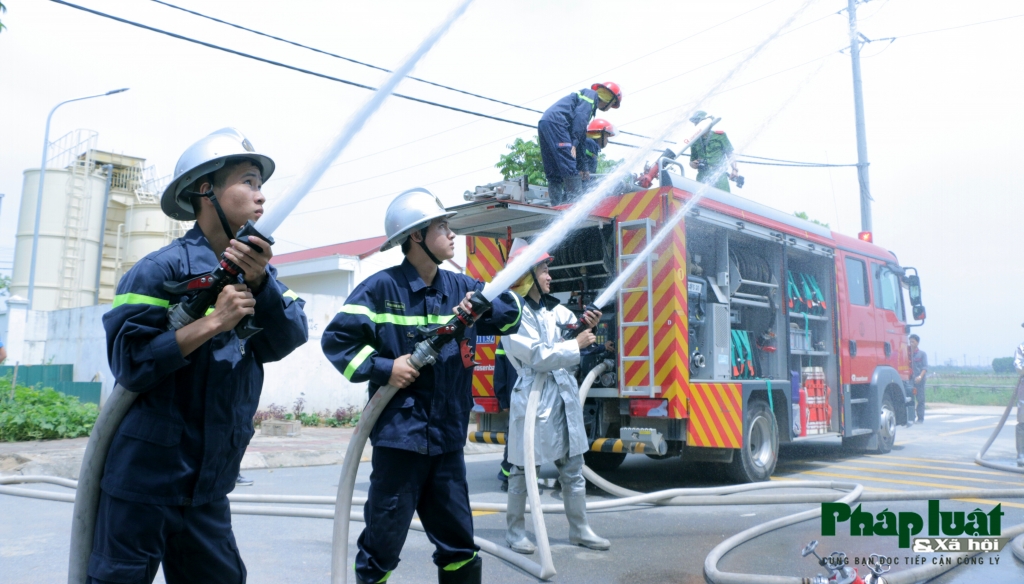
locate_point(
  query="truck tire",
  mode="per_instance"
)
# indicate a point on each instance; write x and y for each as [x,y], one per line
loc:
[759,452]
[886,425]
[603,460]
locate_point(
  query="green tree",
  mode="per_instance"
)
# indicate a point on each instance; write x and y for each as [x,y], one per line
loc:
[3,9]
[604,165]
[803,215]
[5,285]
[1003,365]
[523,158]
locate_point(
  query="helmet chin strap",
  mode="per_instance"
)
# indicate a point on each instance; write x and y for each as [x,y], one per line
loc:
[423,244]
[220,212]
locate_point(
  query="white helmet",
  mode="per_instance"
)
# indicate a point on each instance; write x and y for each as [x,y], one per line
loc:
[412,210]
[205,156]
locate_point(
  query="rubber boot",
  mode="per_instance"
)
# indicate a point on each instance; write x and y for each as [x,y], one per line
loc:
[556,194]
[516,516]
[470,573]
[1020,444]
[573,186]
[579,530]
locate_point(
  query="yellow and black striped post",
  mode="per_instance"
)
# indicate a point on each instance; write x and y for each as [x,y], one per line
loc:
[616,445]
[487,437]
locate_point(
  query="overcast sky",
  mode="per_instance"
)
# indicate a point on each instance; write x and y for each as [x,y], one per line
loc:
[944,111]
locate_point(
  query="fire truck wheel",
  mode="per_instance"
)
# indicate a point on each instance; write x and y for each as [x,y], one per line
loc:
[886,426]
[759,452]
[603,460]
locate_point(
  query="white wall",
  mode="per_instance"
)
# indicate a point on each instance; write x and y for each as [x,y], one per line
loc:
[76,336]
[307,371]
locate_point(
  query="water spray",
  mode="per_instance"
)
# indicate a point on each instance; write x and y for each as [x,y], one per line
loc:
[276,214]
[581,209]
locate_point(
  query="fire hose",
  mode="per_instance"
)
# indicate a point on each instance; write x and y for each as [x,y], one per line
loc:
[690,496]
[1014,398]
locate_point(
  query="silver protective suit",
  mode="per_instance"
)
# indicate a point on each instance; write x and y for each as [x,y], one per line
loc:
[538,349]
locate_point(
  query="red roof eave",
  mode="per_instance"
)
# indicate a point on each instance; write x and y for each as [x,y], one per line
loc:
[361,248]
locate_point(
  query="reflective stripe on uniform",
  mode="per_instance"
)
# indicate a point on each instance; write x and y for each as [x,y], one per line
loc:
[456,565]
[499,351]
[139,299]
[398,319]
[585,98]
[290,294]
[357,361]
[519,306]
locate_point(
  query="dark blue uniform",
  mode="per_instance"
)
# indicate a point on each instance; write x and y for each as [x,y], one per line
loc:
[176,455]
[505,377]
[562,127]
[418,462]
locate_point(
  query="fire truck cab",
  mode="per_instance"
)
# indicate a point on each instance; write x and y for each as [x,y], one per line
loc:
[748,327]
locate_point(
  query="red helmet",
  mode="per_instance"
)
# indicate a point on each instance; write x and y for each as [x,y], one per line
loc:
[599,125]
[612,87]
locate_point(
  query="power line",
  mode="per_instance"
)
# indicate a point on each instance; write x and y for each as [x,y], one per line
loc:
[913,34]
[337,56]
[300,69]
[285,65]
[337,79]
[448,87]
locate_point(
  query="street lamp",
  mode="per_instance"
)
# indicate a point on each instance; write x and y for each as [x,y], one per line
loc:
[39,196]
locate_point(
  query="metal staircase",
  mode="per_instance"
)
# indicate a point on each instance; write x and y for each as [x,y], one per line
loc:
[645,287]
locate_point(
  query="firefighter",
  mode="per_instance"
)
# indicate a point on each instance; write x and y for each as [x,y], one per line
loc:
[1018,362]
[538,349]
[711,151]
[561,132]
[598,133]
[418,441]
[177,452]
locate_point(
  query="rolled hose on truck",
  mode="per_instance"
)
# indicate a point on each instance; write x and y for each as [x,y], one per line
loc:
[87,500]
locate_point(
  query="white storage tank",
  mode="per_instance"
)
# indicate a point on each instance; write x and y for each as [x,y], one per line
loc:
[146,230]
[69,238]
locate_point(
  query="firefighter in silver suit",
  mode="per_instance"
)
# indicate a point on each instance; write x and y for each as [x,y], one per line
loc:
[560,437]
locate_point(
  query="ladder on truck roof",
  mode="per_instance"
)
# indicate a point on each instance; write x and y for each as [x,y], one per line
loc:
[645,286]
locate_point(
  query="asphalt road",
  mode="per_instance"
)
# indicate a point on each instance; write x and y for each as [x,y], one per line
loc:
[650,544]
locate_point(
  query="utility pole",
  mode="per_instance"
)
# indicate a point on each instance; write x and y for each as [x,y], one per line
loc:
[858,107]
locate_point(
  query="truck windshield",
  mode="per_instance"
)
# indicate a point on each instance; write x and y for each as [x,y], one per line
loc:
[888,294]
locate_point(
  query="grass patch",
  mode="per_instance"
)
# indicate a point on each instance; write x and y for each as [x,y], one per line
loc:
[31,413]
[971,389]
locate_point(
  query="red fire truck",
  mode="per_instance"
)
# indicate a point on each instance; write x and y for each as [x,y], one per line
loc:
[748,327]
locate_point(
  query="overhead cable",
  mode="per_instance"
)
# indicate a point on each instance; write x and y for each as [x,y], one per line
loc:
[342,57]
[435,84]
[313,73]
[913,34]
[284,65]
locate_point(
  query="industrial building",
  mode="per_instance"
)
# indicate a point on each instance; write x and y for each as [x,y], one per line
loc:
[100,215]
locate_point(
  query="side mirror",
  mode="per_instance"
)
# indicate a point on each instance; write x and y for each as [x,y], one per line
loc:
[914,289]
[919,313]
